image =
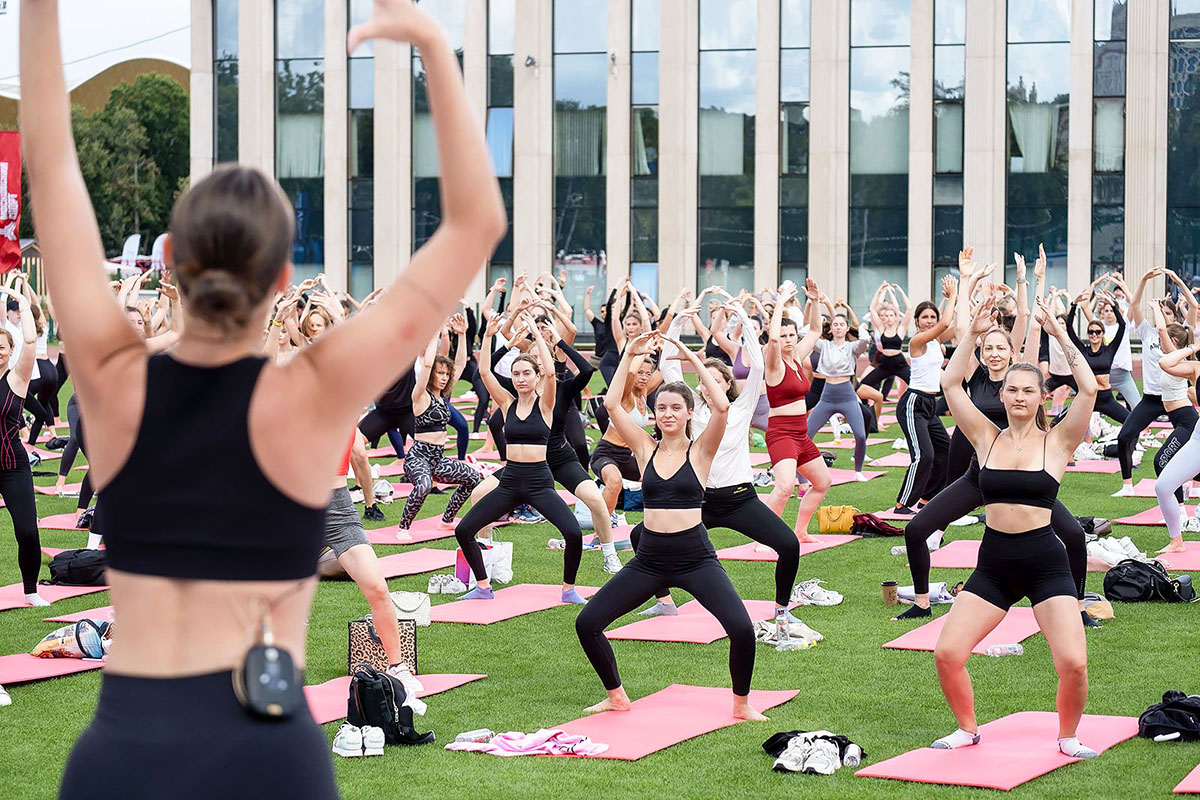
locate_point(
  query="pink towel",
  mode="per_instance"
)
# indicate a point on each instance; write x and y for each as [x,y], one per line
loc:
[545,742]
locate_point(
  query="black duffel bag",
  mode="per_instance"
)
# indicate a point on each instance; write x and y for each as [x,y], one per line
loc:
[78,568]
[1176,718]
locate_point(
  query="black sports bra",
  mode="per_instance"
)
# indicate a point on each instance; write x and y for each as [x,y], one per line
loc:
[681,490]
[435,418]
[1022,487]
[894,342]
[530,430]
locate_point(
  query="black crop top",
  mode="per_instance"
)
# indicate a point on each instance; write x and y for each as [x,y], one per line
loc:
[435,418]
[1100,362]
[530,430]
[894,342]
[681,490]
[191,500]
[985,396]
[1022,487]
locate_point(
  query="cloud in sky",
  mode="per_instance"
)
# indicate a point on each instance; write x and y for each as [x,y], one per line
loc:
[97,35]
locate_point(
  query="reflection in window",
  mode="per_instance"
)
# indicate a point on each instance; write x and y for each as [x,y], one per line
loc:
[427,194]
[1183,139]
[361,158]
[501,46]
[225,81]
[880,22]
[1039,21]
[949,95]
[794,71]
[643,216]
[728,24]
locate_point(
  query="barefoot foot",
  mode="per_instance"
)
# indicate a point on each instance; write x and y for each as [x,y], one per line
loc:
[1176,546]
[743,710]
[609,704]
[442,525]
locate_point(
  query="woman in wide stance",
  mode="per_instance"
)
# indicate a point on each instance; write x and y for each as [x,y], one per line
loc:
[212,573]
[1020,556]
[674,549]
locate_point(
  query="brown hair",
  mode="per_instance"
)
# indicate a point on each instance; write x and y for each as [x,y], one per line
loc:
[1007,334]
[1024,366]
[827,329]
[683,390]
[1181,335]
[38,318]
[726,373]
[231,235]
[441,361]
[7,335]
[312,312]
[533,362]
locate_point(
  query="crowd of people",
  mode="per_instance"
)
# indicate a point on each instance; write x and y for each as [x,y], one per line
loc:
[256,396]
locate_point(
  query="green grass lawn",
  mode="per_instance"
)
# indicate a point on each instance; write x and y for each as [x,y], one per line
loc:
[886,700]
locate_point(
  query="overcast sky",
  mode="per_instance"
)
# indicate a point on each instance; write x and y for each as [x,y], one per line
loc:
[99,33]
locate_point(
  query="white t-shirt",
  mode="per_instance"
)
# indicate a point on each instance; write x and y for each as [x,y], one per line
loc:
[1151,353]
[18,343]
[1124,357]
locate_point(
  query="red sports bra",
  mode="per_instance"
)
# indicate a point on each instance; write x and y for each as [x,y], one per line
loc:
[344,468]
[793,387]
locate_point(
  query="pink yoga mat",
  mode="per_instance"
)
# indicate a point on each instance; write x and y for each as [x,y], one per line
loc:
[514,601]
[50,490]
[101,613]
[667,717]
[1190,784]
[760,459]
[1013,750]
[1186,561]
[13,596]
[887,419]
[423,530]
[391,470]
[487,455]
[693,625]
[838,477]
[415,562]
[59,522]
[327,701]
[890,515]
[46,455]
[959,554]
[387,451]
[53,551]
[1151,516]
[847,443]
[1107,467]
[892,460]
[1144,488]
[1017,626]
[22,667]
[747,552]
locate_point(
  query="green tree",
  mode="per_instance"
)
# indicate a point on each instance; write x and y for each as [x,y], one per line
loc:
[123,180]
[160,106]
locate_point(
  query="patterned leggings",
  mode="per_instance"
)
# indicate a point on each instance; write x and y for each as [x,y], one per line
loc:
[426,463]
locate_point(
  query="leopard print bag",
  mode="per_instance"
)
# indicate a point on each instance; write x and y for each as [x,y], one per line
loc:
[366,648]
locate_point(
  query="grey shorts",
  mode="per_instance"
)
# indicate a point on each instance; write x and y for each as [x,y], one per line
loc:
[343,527]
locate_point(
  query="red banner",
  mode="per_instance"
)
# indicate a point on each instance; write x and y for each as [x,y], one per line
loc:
[10,200]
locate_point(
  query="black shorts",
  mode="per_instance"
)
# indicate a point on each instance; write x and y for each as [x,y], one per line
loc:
[1056,381]
[1032,564]
[620,457]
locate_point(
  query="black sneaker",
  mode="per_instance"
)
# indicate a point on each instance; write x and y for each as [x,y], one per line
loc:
[904,511]
[373,514]
[1089,621]
[85,519]
[915,612]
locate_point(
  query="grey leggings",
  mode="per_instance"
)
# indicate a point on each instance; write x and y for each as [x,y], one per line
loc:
[841,398]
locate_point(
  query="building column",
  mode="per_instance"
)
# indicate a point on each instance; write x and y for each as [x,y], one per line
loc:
[678,37]
[829,148]
[984,178]
[393,160]
[1079,170]
[475,81]
[201,91]
[920,151]
[337,176]
[1147,65]
[533,138]
[618,170]
[766,147]
[256,84]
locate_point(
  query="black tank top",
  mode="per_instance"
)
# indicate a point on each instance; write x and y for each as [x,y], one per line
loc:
[191,500]
[12,452]
[1022,487]
[893,342]
[681,490]
[985,395]
[435,418]
[531,430]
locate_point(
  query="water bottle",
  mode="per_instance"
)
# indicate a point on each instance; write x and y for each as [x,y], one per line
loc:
[899,550]
[998,650]
[853,756]
[783,636]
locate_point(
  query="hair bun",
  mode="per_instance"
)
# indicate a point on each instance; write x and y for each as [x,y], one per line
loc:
[218,297]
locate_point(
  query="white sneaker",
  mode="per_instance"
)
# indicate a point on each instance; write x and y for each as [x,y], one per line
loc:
[1192,524]
[1126,490]
[612,564]
[5,697]
[618,519]
[934,540]
[374,472]
[810,593]
[965,519]
[454,586]
[792,757]
[1137,457]
[349,741]
[1084,452]
[402,673]
[823,758]
[900,444]
[373,740]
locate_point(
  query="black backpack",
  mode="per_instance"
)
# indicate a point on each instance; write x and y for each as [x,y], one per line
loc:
[1133,581]
[870,424]
[377,699]
[78,568]
[1177,717]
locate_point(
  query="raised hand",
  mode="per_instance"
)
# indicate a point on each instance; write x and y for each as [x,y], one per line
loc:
[643,344]
[949,286]
[984,317]
[398,20]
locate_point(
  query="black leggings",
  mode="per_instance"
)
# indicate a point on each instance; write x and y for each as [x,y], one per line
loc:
[962,497]
[43,391]
[960,456]
[496,429]
[740,509]
[928,445]
[16,487]
[61,368]
[521,483]
[685,560]
[1108,405]
[1184,420]
[1145,412]
[888,367]
[147,733]
[74,447]
[376,423]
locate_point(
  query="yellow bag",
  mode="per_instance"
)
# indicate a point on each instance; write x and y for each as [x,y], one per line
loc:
[836,519]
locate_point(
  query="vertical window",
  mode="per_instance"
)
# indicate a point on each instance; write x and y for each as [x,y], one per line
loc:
[728,37]
[643,190]
[225,81]
[580,135]
[502,17]
[794,58]
[360,157]
[949,93]
[1183,133]
[300,125]
[1108,137]
[427,196]
[880,36]
[1039,93]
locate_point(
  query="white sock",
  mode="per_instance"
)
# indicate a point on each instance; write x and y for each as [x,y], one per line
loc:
[94,540]
[35,599]
[608,548]
[959,738]
[934,541]
[1071,746]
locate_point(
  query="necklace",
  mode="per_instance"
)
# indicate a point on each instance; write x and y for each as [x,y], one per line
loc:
[1019,447]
